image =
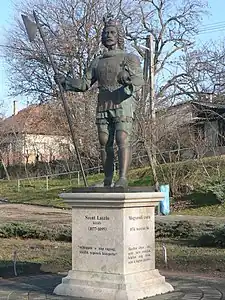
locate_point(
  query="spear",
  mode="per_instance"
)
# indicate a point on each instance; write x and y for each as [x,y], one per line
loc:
[31,29]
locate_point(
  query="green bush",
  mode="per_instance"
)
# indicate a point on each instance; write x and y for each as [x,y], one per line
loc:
[175,230]
[216,187]
[213,239]
[179,229]
[27,231]
[64,233]
[183,174]
[18,230]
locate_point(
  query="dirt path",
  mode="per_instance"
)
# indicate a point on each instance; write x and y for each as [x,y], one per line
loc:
[34,214]
[55,216]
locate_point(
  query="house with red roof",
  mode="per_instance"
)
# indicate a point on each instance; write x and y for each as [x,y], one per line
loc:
[34,133]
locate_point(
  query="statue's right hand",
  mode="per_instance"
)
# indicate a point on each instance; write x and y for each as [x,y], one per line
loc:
[59,78]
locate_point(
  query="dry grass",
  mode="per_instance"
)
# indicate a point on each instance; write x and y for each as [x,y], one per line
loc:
[36,256]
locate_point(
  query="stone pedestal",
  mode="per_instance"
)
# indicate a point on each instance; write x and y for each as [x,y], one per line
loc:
[113,246]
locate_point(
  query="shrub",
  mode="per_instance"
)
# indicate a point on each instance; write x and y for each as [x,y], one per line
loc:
[213,239]
[179,229]
[214,186]
[184,174]
[28,231]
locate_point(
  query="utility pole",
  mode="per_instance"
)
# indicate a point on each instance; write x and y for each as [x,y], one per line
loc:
[145,90]
[152,115]
[152,79]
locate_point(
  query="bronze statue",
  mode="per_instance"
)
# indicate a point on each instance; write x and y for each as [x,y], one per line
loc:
[119,77]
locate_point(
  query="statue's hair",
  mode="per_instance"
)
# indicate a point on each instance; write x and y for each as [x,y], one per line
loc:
[110,21]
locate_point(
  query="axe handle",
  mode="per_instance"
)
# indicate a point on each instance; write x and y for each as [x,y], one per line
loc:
[61,91]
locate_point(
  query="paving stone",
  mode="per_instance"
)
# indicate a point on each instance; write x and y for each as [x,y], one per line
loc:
[186,288]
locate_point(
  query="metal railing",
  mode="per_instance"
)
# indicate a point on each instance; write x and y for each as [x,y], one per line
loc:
[77,174]
[46,177]
[78,179]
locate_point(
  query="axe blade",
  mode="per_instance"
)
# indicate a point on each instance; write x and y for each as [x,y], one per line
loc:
[31,28]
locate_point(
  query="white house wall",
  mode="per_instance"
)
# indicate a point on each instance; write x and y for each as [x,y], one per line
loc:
[47,147]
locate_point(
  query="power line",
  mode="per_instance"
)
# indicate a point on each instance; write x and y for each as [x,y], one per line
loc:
[218,28]
[212,27]
[213,24]
[207,32]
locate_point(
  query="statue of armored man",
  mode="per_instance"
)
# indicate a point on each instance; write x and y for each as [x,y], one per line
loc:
[119,76]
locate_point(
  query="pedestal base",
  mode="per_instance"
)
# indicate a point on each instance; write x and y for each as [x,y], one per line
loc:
[113,246]
[101,286]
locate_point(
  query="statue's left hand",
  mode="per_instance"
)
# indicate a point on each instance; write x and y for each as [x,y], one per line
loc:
[124,78]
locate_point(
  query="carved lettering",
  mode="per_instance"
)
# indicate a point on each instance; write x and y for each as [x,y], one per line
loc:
[89,250]
[141,217]
[99,218]
[139,254]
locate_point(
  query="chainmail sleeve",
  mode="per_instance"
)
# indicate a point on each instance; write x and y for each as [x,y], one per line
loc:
[133,67]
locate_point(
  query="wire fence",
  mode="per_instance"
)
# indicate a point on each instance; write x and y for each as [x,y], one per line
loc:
[74,178]
[50,181]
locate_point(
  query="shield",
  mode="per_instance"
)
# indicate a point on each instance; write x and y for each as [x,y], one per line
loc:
[31,28]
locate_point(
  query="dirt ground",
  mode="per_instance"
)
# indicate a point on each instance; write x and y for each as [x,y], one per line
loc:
[34,214]
[46,216]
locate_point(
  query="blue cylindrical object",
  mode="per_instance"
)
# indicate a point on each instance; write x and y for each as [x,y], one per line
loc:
[165,203]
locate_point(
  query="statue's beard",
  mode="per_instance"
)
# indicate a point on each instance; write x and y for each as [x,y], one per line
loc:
[110,44]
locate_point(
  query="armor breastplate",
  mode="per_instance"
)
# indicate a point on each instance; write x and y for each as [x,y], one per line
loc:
[107,71]
[111,93]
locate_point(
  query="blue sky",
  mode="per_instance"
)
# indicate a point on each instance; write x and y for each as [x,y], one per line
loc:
[216,10]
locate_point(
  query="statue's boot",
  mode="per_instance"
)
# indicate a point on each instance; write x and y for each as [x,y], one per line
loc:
[107,156]
[124,155]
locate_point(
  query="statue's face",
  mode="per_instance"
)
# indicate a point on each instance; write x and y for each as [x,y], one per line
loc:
[110,37]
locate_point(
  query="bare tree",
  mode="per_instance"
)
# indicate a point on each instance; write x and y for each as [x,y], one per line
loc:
[204,72]
[73,30]
[172,27]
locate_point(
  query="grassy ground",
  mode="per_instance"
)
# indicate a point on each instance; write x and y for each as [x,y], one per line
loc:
[34,192]
[216,210]
[31,195]
[34,256]
[184,258]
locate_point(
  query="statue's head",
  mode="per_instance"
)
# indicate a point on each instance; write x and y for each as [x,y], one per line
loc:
[113,33]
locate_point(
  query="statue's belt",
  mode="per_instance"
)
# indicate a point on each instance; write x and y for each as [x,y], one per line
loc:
[117,119]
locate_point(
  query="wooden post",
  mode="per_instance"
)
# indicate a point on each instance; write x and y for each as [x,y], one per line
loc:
[46,183]
[18,185]
[78,178]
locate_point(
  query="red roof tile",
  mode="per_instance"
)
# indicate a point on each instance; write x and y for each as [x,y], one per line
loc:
[35,119]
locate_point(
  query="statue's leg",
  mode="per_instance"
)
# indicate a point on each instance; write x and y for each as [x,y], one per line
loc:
[123,132]
[106,139]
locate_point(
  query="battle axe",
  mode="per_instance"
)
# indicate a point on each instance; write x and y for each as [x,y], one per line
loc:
[32,28]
